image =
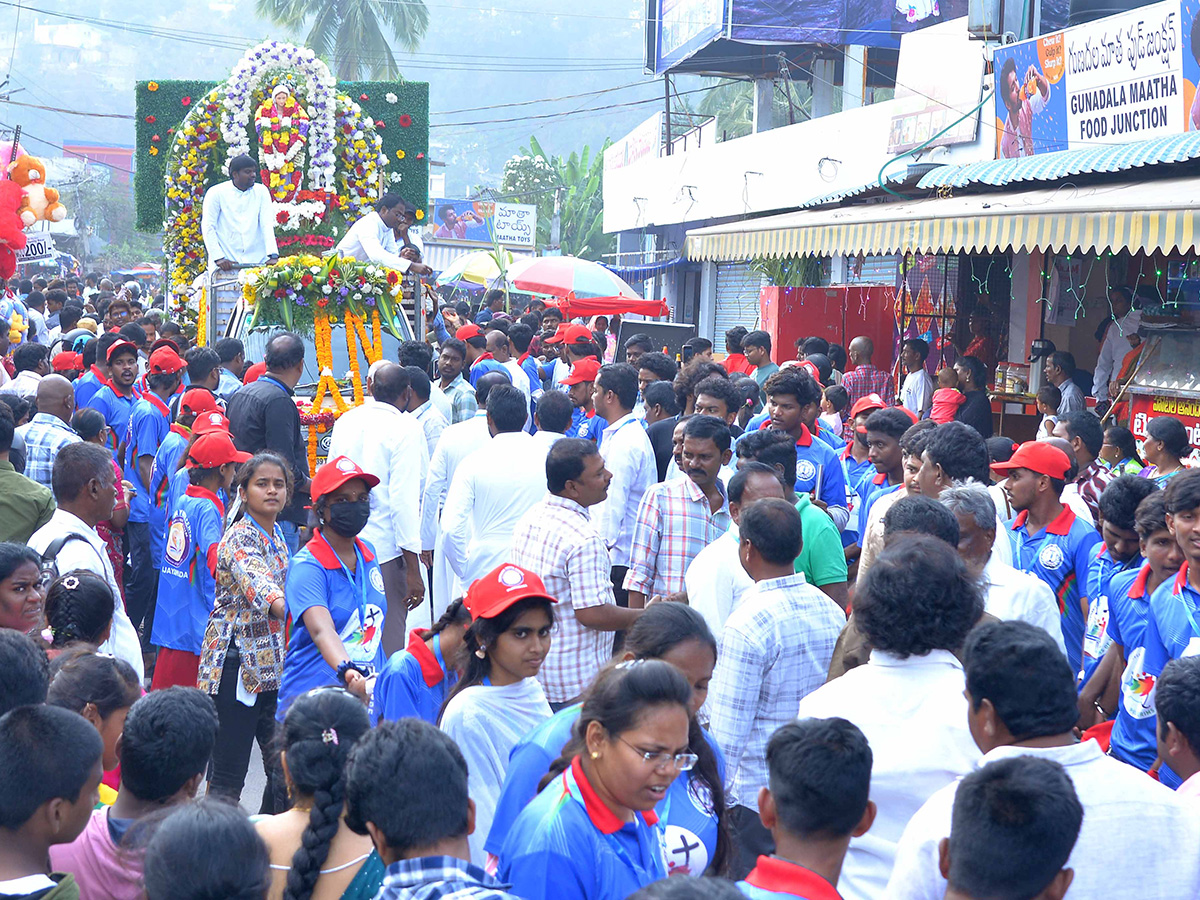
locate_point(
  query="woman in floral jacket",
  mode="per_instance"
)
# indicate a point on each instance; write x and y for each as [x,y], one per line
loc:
[242,657]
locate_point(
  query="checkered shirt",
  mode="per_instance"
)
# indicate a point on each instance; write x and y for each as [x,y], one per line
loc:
[440,878]
[557,540]
[866,379]
[462,399]
[1092,481]
[674,523]
[44,436]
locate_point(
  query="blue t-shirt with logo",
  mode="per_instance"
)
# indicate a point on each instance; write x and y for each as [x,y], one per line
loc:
[1096,639]
[116,409]
[686,810]
[870,490]
[356,603]
[166,463]
[86,386]
[187,584]
[149,424]
[585,426]
[413,683]
[1059,554]
[1133,738]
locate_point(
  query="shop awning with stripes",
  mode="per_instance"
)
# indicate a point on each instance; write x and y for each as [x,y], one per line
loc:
[1145,216]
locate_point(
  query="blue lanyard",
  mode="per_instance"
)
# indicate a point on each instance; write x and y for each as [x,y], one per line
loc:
[360,582]
[275,381]
[437,652]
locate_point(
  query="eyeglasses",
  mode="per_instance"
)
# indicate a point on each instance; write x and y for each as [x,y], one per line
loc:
[681,762]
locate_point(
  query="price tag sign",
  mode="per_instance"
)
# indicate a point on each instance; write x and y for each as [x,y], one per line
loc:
[39,246]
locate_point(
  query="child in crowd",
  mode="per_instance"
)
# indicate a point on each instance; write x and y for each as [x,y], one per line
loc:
[416,681]
[815,801]
[203,850]
[947,398]
[833,403]
[1048,399]
[79,610]
[1177,703]
[49,784]
[24,671]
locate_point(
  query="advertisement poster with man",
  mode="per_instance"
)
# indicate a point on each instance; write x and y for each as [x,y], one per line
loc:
[482,221]
[1125,78]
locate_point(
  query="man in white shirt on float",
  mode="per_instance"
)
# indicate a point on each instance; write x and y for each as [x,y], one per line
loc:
[373,238]
[493,488]
[1021,701]
[391,446]
[1008,593]
[237,223]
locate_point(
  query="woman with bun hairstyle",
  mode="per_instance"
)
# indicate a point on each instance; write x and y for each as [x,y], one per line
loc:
[313,853]
[498,699]
[79,610]
[592,833]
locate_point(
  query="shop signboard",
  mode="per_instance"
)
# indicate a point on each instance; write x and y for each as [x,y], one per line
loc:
[1144,407]
[1124,78]
[927,102]
[482,222]
[38,246]
[685,26]
[644,141]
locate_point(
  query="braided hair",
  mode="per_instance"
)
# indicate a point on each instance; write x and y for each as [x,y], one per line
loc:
[319,730]
[79,609]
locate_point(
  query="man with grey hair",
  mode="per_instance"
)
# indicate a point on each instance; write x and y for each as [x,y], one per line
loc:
[1008,593]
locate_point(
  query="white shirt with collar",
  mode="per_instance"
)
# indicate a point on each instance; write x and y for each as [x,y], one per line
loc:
[238,225]
[1113,350]
[1010,594]
[716,581]
[391,445]
[548,438]
[91,554]
[433,423]
[914,716]
[491,490]
[1131,826]
[630,458]
[370,240]
[24,385]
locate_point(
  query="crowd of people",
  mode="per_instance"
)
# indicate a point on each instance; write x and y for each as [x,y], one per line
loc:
[559,619]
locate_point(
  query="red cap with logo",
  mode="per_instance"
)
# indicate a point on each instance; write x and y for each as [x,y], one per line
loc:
[500,588]
[559,334]
[165,361]
[121,347]
[468,331]
[869,403]
[207,423]
[68,361]
[212,450]
[197,401]
[337,472]
[585,370]
[1037,456]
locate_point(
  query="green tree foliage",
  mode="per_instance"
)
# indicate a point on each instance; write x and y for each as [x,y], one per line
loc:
[532,176]
[732,102]
[350,34]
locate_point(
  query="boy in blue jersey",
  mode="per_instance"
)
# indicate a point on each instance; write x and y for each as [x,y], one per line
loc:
[793,396]
[149,425]
[95,365]
[815,801]
[116,399]
[1120,552]
[1047,539]
[585,423]
[187,583]
[885,428]
[406,787]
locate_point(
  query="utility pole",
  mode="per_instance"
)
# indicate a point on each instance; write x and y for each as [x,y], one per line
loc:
[667,114]
[556,225]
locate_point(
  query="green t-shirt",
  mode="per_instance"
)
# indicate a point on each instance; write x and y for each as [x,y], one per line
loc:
[822,559]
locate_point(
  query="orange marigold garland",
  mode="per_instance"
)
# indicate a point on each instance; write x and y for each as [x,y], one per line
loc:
[355,371]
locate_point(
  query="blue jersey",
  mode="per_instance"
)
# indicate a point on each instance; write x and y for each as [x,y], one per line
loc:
[116,408]
[529,365]
[86,386]
[870,490]
[567,845]
[690,828]
[1101,572]
[586,425]
[413,683]
[825,433]
[773,878]
[356,603]
[166,463]
[483,366]
[817,460]
[149,425]
[1133,738]
[1172,632]
[855,473]
[1059,554]
[187,584]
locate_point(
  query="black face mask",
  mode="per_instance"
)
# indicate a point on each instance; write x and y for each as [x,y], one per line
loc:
[348,519]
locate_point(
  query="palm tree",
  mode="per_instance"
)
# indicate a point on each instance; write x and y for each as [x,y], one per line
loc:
[350,33]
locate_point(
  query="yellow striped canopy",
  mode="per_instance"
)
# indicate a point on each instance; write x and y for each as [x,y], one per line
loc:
[1148,216]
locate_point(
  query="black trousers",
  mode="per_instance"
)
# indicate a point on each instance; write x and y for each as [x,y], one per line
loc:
[238,728]
[617,575]
[750,841]
[141,579]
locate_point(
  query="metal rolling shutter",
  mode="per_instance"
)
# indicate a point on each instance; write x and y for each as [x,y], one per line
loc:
[737,300]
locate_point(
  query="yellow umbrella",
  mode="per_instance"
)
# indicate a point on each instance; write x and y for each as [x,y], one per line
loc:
[474,269]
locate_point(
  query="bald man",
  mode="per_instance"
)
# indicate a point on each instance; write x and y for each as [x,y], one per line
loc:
[500,347]
[865,378]
[50,430]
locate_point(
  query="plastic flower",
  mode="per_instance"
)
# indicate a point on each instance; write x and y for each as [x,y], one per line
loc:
[400,154]
[154,151]
[363,97]
[405,120]
[390,98]
[186,101]
[151,119]
[152,86]
[420,214]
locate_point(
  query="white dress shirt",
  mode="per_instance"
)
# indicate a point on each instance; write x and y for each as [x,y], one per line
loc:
[1137,840]
[548,438]
[914,716]
[238,225]
[433,423]
[716,581]
[1010,594]
[91,554]
[916,394]
[630,458]
[390,445]
[775,649]
[24,385]
[1112,352]
[491,490]
[457,442]
[369,240]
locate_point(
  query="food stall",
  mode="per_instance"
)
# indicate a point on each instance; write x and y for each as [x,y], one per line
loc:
[1167,382]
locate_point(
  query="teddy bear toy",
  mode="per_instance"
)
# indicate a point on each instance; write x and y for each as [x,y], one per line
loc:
[41,202]
[12,237]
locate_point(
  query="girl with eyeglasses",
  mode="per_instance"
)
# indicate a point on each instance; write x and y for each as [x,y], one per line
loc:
[593,833]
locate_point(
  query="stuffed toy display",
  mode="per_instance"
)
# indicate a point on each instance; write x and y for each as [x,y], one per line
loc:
[12,237]
[41,202]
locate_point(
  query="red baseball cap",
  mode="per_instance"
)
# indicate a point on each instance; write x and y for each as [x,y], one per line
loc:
[337,472]
[811,369]
[866,404]
[1037,456]
[585,370]
[559,334]
[165,361]
[163,342]
[468,331]
[66,361]
[500,588]
[208,422]
[120,347]
[255,372]
[578,334]
[196,400]
[212,450]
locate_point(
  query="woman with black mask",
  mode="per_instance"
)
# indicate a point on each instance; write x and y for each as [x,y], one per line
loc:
[334,591]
